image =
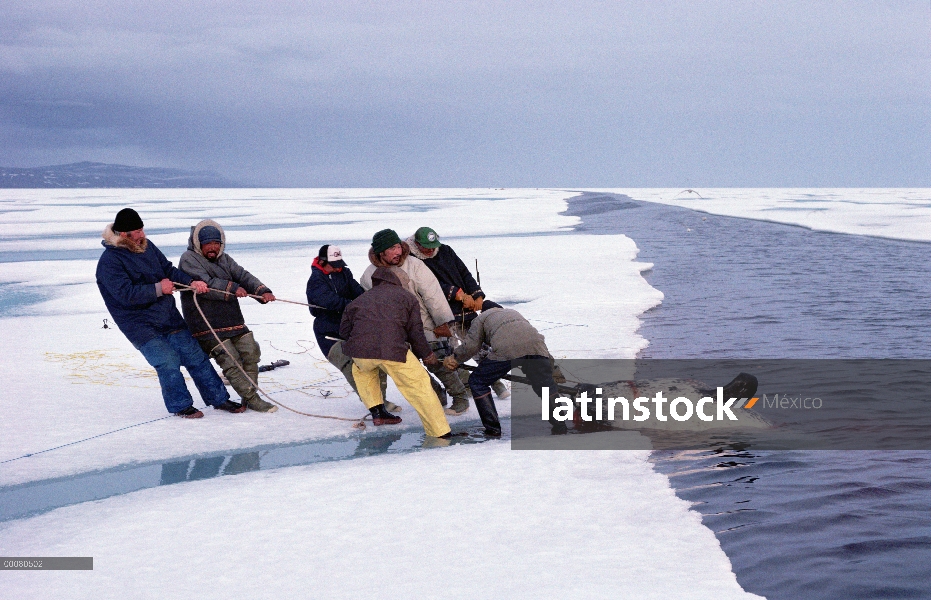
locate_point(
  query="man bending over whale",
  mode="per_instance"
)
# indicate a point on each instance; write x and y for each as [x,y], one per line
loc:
[514,342]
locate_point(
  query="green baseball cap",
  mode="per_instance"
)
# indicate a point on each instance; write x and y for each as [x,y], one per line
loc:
[427,238]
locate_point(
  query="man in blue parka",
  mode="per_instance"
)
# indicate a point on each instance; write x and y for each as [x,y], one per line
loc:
[137,283]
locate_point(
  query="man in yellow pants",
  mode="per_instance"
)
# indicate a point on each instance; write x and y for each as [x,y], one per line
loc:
[382,330]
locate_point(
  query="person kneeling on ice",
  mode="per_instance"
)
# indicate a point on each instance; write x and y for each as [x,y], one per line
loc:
[383,331]
[206,260]
[136,282]
[514,342]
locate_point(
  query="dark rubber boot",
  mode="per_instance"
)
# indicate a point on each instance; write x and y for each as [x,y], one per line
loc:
[380,416]
[488,414]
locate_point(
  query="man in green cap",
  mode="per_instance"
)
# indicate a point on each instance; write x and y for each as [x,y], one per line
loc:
[462,291]
[389,251]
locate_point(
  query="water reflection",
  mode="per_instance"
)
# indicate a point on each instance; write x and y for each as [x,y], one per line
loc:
[207,468]
[34,498]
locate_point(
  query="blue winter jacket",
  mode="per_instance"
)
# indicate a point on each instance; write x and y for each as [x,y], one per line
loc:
[334,292]
[127,281]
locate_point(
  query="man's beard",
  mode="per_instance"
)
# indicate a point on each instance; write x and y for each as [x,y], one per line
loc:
[137,247]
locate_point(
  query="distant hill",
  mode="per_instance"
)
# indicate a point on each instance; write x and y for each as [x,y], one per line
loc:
[101,175]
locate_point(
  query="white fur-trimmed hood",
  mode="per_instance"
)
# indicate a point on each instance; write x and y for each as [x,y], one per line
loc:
[415,251]
[113,239]
[193,242]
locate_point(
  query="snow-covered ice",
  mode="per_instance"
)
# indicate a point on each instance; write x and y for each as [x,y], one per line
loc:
[458,522]
[463,522]
[94,381]
[903,214]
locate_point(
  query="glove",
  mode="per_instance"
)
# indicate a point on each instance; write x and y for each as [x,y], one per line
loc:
[430,360]
[443,331]
[450,363]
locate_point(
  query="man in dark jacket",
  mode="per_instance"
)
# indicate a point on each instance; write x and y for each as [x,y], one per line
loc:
[205,259]
[462,291]
[513,342]
[137,282]
[383,331]
[330,289]
[458,284]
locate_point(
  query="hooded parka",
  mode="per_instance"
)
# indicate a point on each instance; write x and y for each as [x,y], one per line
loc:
[221,308]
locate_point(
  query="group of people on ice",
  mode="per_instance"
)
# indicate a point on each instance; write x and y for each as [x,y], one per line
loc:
[415,303]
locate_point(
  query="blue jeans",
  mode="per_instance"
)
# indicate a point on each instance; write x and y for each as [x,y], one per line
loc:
[168,353]
[487,372]
[537,369]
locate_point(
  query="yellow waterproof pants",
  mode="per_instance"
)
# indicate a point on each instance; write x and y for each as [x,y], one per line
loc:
[412,381]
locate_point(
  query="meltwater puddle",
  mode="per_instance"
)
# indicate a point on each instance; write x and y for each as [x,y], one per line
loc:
[36,497]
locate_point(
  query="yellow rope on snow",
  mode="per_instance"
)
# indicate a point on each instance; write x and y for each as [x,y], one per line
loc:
[87,368]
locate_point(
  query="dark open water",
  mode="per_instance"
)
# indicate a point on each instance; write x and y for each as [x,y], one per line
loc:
[801,524]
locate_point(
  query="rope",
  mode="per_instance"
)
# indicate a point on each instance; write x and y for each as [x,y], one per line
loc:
[299,345]
[85,439]
[187,288]
[359,423]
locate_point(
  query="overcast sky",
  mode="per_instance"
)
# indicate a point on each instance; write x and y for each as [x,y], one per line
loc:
[401,93]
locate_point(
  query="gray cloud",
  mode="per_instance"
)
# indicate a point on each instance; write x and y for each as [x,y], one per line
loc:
[516,93]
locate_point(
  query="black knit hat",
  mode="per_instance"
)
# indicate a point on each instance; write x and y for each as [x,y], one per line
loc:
[486,304]
[384,239]
[127,220]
